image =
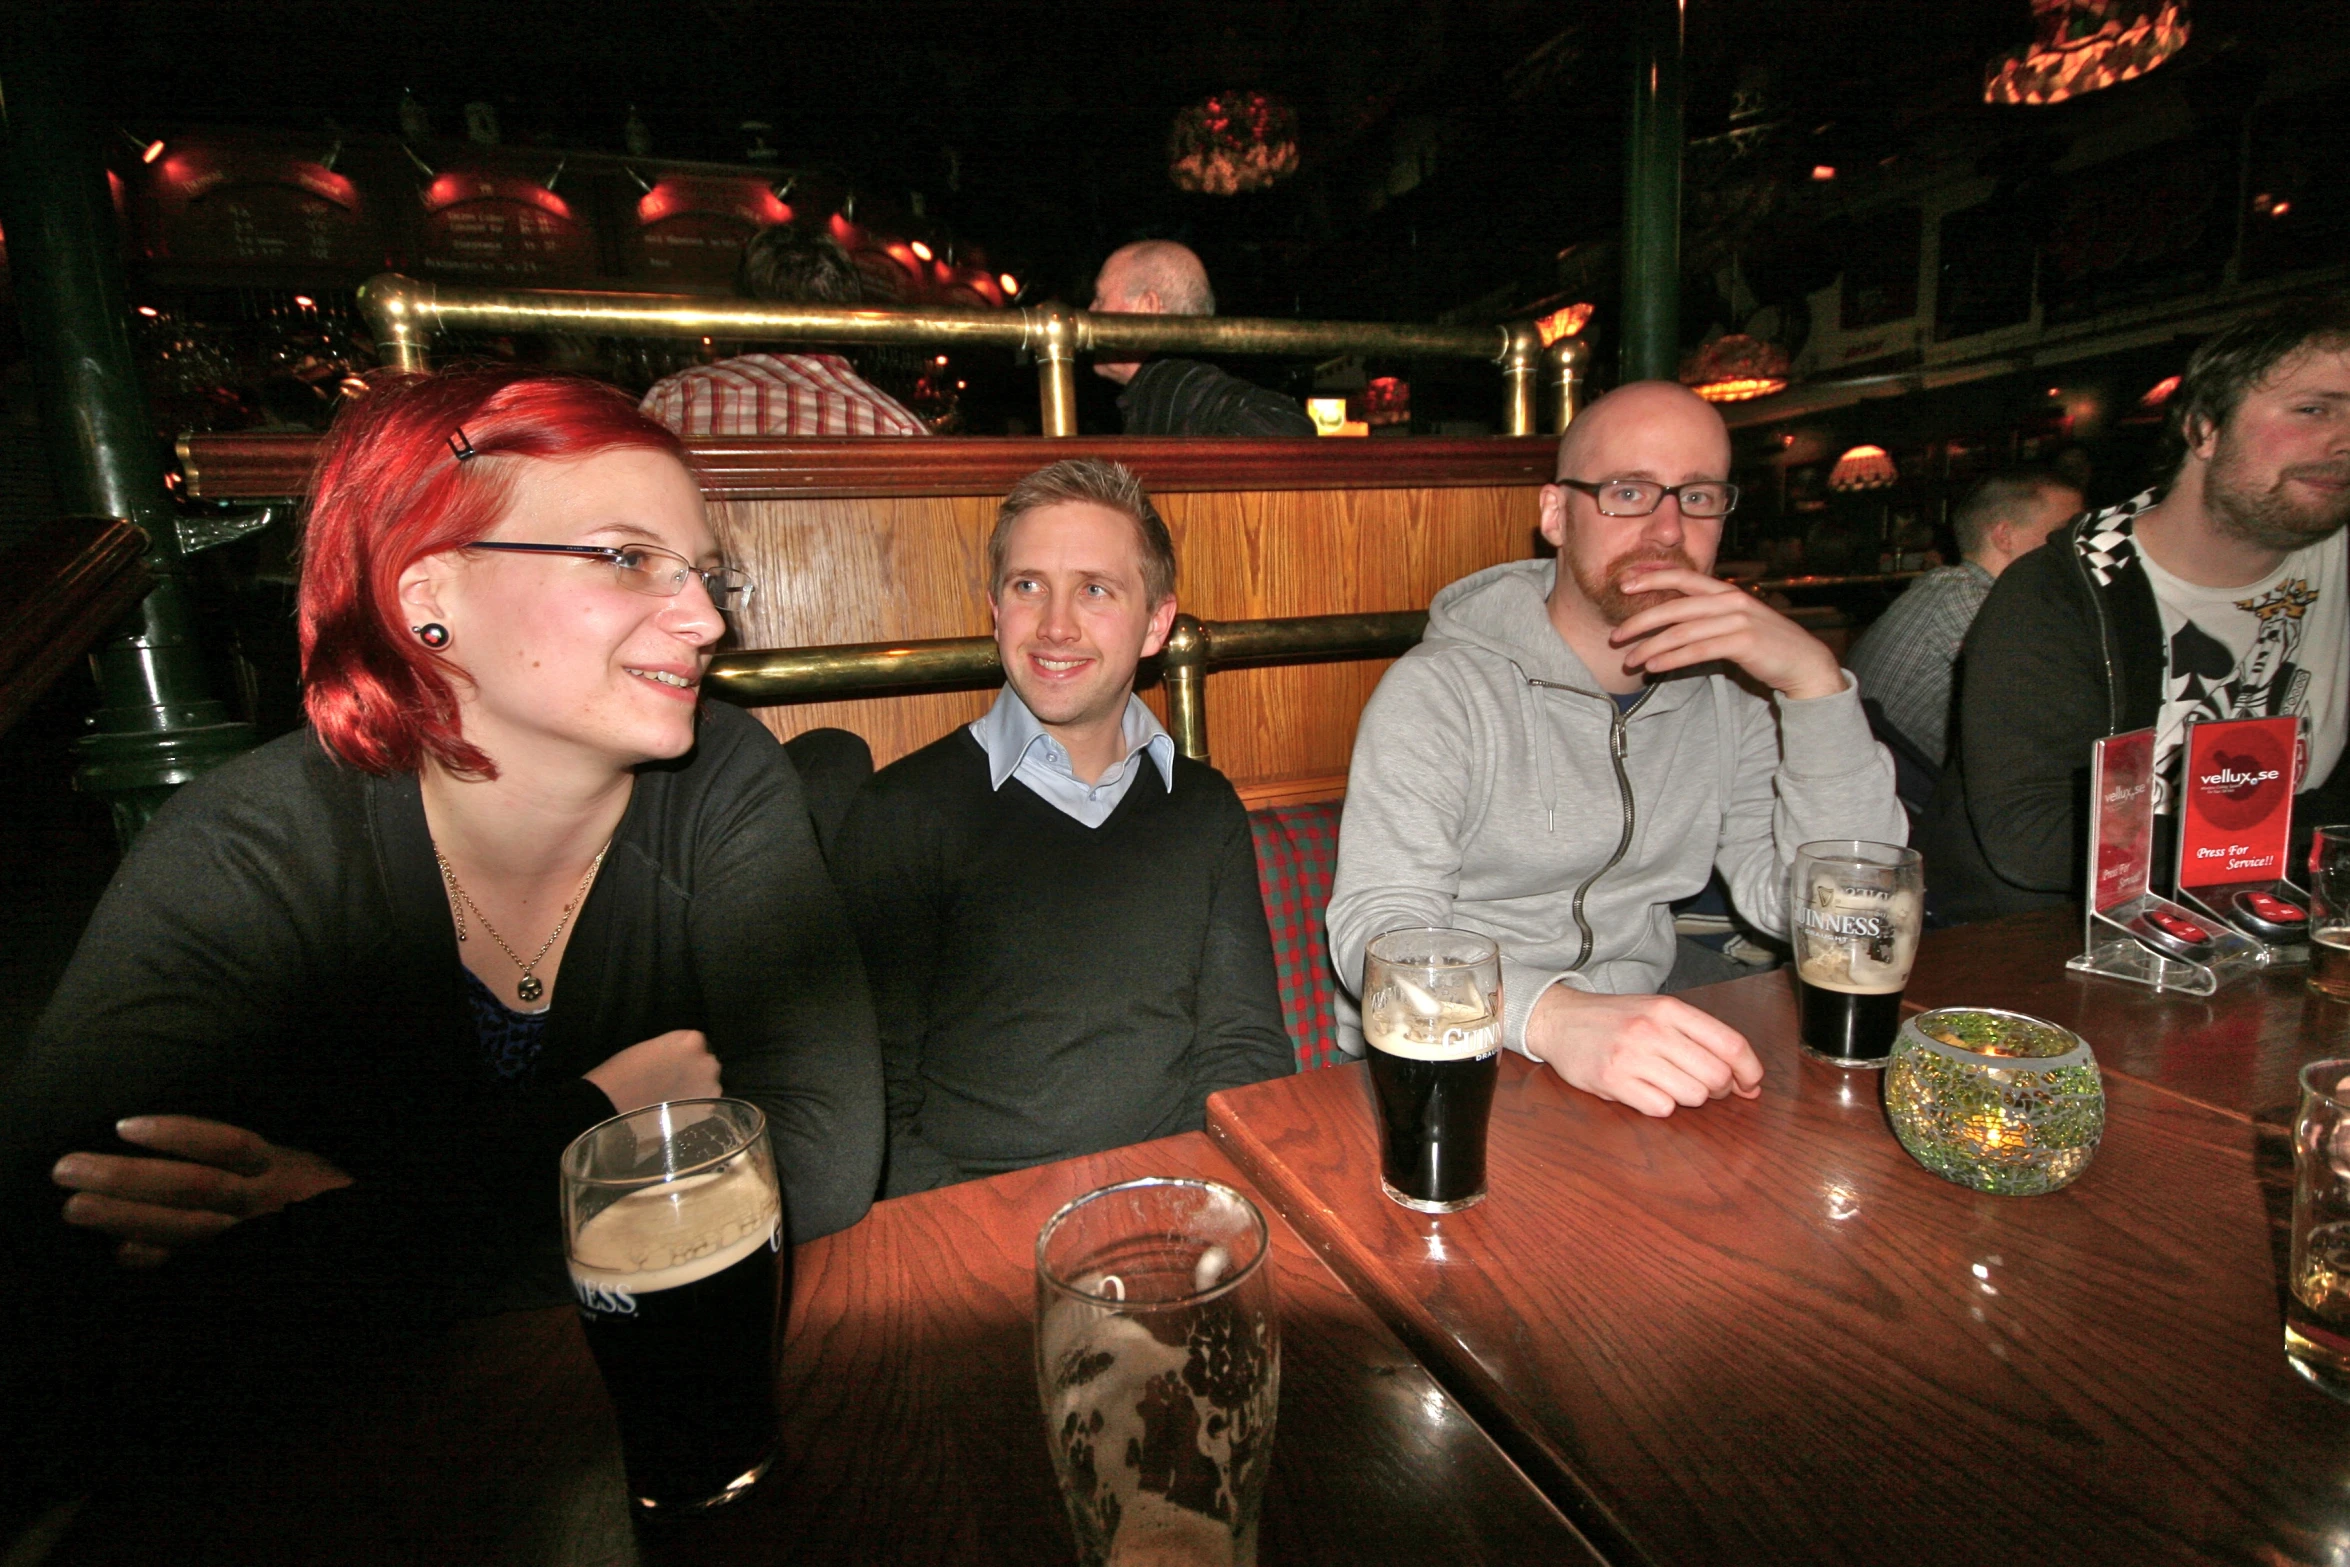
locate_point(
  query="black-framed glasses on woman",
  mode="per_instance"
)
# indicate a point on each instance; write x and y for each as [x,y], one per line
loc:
[1639,497]
[647,568]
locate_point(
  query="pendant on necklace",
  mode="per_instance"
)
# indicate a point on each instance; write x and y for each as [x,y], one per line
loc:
[530,989]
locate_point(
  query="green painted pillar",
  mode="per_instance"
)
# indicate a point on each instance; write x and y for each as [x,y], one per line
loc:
[1652,195]
[157,724]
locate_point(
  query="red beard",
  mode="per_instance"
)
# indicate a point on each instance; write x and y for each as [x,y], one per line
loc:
[1604,588]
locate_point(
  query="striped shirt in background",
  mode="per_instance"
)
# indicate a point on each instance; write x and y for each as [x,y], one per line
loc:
[778,394]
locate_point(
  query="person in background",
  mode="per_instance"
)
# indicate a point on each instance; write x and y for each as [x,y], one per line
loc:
[2219,595]
[1060,913]
[310,1070]
[1567,754]
[784,394]
[1158,277]
[1903,662]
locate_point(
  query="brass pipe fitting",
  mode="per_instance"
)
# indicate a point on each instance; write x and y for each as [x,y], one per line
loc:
[1566,371]
[1521,355]
[1051,334]
[1183,664]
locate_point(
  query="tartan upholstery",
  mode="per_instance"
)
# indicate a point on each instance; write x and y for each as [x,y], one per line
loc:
[1297,854]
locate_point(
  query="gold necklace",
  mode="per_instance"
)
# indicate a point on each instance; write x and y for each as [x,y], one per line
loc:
[531,987]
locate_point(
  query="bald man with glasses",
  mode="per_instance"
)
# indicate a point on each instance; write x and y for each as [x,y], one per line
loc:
[1568,753]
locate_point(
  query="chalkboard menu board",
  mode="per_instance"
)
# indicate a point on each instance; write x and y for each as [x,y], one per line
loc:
[502,228]
[690,229]
[213,204]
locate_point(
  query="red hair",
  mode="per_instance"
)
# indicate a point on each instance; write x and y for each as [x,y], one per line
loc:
[388,490]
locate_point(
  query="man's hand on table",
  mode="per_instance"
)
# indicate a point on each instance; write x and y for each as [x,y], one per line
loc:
[1649,1052]
[216,1176]
[1713,619]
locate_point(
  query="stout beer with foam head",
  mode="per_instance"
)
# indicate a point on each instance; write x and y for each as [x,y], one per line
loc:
[1854,910]
[677,1257]
[1432,1022]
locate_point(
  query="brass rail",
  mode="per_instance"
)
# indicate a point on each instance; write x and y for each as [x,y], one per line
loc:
[1194,648]
[405,313]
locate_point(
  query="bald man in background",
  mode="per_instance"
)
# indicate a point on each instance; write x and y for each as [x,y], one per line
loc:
[1158,277]
[1566,754]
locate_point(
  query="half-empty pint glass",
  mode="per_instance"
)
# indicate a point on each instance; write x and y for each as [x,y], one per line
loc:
[1158,1362]
[1854,910]
[2317,1307]
[676,1242]
[1432,1020]
[2329,912]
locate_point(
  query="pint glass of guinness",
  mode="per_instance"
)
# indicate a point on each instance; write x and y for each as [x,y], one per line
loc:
[1432,1020]
[1854,909]
[676,1242]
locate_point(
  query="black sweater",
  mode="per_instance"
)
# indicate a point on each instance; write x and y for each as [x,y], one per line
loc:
[2067,650]
[1046,989]
[277,952]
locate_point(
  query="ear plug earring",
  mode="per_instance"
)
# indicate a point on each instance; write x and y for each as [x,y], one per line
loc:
[432,634]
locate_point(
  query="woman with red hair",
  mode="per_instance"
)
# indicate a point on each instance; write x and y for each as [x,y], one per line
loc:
[359,987]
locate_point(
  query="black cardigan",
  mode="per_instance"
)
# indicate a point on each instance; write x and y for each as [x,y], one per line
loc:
[277,952]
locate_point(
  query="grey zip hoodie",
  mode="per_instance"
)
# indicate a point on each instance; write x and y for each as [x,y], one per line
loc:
[1495,787]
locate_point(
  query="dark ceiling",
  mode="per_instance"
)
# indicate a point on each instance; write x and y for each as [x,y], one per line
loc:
[1451,150]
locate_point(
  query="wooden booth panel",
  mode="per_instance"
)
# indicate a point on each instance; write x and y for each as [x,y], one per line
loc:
[907,567]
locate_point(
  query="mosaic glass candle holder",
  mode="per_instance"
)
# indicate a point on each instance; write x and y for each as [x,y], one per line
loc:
[1998,1101]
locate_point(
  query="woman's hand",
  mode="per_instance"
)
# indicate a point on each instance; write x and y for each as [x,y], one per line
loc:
[217,1175]
[675,1065]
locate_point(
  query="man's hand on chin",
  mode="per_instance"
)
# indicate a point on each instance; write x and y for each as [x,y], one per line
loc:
[1649,1052]
[1713,619]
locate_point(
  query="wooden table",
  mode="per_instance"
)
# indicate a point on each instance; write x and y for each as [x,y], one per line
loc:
[912,1434]
[2240,1050]
[1758,1332]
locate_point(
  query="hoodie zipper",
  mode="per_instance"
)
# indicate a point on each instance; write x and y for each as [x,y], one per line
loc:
[1618,741]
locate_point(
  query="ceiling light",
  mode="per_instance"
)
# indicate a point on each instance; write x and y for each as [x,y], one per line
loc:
[1735,368]
[2079,46]
[1863,468]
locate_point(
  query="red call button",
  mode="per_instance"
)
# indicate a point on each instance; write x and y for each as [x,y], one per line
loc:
[2274,909]
[2173,926]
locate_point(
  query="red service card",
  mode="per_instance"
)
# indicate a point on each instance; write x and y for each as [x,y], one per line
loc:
[2121,818]
[2236,800]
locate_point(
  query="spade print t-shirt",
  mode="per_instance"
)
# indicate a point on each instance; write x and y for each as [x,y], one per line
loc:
[2274,648]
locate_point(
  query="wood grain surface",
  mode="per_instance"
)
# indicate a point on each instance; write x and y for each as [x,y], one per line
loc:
[1758,1332]
[261,466]
[912,1435]
[895,568]
[2240,1050]
[915,1434]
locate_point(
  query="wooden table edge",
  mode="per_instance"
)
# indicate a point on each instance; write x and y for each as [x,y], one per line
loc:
[1508,1425]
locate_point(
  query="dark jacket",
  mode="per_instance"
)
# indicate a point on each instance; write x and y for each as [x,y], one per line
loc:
[2067,650]
[1185,397]
[277,953]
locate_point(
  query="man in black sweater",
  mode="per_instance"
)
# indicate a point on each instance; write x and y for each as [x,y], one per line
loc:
[1158,277]
[2222,596]
[1060,915]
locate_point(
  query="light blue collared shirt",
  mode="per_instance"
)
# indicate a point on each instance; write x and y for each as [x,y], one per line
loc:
[1017,746]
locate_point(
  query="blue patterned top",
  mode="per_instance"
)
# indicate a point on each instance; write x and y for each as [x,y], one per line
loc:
[510,1040]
